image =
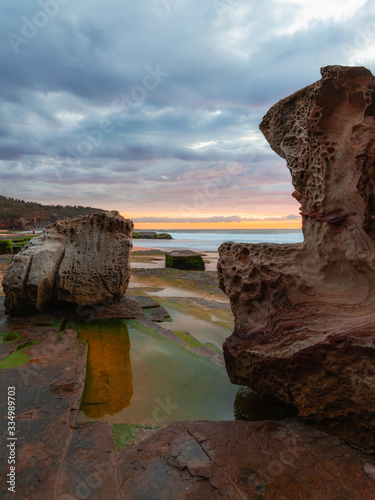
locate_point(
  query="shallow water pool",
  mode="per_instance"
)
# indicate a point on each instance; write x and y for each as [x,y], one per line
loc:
[137,376]
[204,331]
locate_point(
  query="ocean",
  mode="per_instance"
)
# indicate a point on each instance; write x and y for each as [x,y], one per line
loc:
[211,239]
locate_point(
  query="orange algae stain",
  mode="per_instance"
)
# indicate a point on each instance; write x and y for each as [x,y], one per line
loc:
[108,385]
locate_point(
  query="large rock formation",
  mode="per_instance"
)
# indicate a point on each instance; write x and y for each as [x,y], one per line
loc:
[305,313]
[79,261]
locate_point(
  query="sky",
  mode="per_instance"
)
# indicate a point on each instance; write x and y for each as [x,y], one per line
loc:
[153,107]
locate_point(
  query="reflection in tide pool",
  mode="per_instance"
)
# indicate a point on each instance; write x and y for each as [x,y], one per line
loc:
[159,382]
[108,384]
[204,331]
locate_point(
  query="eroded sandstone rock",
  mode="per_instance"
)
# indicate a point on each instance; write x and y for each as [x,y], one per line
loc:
[79,261]
[305,313]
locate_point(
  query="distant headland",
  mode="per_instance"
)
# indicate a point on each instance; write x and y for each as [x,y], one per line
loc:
[23,215]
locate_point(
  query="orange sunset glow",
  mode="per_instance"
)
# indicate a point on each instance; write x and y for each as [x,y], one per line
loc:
[256,224]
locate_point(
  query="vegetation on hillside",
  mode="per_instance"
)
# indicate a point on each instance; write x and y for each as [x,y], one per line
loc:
[12,209]
[6,247]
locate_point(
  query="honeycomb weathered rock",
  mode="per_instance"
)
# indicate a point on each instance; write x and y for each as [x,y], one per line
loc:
[305,313]
[79,261]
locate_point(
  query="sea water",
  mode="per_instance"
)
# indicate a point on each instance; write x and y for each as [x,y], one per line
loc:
[211,239]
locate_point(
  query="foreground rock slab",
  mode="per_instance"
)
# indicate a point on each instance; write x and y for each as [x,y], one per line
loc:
[152,309]
[48,394]
[305,321]
[80,261]
[127,308]
[240,460]
[58,458]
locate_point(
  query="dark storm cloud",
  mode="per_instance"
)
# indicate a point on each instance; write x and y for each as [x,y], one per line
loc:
[160,95]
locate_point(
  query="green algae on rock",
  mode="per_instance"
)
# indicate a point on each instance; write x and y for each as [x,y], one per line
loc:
[151,235]
[184,260]
[191,341]
[204,283]
[19,244]
[8,337]
[6,247]
[17,357]
[188,339]
[189,316]
[213,347]
[126,434]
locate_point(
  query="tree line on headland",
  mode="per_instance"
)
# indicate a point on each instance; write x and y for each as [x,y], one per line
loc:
[20,214]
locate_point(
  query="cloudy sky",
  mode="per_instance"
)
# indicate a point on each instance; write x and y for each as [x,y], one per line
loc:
[152,107]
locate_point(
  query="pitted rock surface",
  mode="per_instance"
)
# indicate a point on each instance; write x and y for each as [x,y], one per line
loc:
[80,261]
[304,313]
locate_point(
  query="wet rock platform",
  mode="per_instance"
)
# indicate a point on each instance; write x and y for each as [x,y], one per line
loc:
[59,458]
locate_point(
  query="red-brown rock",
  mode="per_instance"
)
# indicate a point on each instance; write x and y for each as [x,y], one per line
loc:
[244,460]
[305,313]
[58,457]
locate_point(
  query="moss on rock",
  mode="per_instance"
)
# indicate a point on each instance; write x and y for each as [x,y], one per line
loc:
[125,434]
[8,337]
[19,244]
[6,247]
[184,260]
[188,339]
[17,357]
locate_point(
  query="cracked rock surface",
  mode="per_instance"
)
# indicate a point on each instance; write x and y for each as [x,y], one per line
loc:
[241,460]
[61,459]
